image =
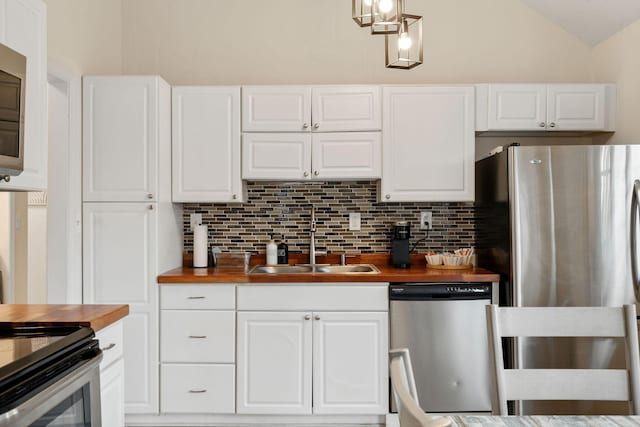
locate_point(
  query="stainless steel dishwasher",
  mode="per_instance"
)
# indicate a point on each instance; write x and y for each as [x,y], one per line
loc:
[443,325]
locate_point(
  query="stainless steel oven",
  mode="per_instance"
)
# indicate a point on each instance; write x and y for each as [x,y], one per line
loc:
[49,377]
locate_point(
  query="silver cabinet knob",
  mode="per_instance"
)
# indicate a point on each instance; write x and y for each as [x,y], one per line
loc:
[542,124]
[234,197]
[5,178]
[388,196]
[149,196]
[307,317]
[317,317]
[150,207]
[316,173]
[552,125]
[316,125]
[305,126]
[305,173]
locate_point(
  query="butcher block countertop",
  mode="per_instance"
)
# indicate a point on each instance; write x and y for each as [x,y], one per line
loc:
[94,316]
[417,273]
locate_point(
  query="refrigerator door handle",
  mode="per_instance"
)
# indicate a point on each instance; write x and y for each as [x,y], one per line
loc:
[635,210]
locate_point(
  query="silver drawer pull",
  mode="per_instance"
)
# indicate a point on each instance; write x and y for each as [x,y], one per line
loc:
[197,336]
[196,297]
[109,347]
[202,390]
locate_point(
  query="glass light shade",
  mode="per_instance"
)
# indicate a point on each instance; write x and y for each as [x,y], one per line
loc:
[361,12]
[385,16]
[403,49]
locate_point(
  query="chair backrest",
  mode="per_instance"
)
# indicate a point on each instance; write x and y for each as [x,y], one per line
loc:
[405,395]
[564,384]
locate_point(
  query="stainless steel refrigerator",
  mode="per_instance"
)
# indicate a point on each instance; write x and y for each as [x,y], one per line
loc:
[559,224]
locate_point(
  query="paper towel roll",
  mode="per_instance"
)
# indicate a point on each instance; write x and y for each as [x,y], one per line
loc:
[200,246]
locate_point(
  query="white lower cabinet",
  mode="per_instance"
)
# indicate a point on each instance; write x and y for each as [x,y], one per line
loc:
[112,375]
[350,363]
[312,361]
[197,388]
[274,363]
[197,349]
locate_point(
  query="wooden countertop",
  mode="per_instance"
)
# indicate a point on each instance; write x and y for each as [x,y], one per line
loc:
[94,316]
[417,273]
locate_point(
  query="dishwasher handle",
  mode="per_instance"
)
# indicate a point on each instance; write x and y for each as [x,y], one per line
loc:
[439,292]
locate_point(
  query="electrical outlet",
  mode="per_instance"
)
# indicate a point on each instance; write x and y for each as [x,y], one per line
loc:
[426,220]
[194,220]
[354,221]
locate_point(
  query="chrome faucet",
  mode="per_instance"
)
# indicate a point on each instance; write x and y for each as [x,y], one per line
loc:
[312,237]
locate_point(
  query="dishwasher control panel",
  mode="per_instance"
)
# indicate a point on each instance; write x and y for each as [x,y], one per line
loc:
[427,291]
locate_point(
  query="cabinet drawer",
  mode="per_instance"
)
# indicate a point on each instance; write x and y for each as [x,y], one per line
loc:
[111,343]
[197,389]
[197,336]
[198,297]
[313,297]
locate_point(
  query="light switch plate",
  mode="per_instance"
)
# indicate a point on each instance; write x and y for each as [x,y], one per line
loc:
[354,221]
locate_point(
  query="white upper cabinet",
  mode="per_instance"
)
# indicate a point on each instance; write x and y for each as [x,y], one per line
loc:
[542,107]
[517,106]
[276,108]
[346,155]
[123,119]
[305,109]
[346,108]
[428,144]
[23,28]
[206,144]
[276,156]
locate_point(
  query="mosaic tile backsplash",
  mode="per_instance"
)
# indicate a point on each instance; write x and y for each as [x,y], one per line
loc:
[283,209]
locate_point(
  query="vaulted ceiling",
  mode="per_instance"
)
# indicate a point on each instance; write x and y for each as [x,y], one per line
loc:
[592,21]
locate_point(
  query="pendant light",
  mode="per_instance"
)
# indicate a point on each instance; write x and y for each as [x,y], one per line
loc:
[361,12]
[403,49]
[385,16]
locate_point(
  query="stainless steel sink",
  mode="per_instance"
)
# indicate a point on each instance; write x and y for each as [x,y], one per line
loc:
[326,269]
[282,269]
[346,269]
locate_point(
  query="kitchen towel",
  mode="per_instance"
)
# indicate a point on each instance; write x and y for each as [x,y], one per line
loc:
[200,246]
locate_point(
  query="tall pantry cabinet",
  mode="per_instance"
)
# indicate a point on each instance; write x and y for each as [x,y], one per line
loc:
[131,230]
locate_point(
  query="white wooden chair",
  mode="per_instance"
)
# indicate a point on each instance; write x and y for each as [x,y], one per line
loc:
[564,384]
[405,395]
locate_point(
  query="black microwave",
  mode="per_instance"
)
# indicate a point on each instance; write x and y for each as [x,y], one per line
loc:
[13,71]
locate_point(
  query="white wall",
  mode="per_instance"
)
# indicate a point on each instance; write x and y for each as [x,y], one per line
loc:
[617,60]
[316,41]
[86,36]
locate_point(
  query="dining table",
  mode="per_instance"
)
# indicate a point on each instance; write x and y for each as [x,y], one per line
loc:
[544,421]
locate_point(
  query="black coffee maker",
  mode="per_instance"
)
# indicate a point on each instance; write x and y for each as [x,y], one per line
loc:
[400,245]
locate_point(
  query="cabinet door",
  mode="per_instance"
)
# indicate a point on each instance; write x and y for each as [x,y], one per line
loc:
[112,394]
[276,109]
[120,138]
[517,107]
[206,144]
[346,108]
[350,367]
[23,28]
[198,336]
[119,268]
[201,389]
[428,144]
[576,107]
[276,156]
[274,363]
[348,155]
